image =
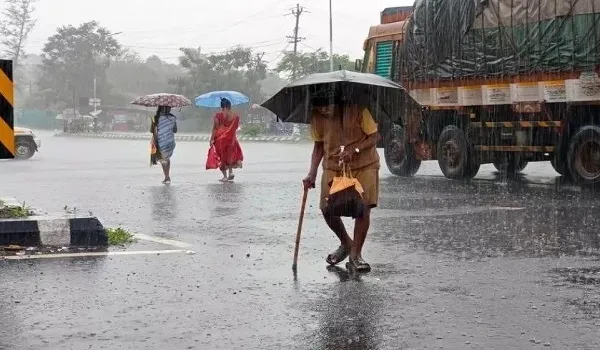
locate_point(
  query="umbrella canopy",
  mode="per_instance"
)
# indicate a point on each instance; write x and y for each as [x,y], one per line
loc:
[157,100]
[213,99]
[383,97]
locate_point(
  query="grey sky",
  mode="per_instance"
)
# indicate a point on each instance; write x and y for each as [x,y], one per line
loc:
[161,27]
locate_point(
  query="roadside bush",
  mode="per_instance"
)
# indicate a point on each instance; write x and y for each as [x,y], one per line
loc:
[119,236]
[253,130]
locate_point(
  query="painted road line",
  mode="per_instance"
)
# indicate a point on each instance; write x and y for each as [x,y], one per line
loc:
[95,254]
[506,208]
[161,240]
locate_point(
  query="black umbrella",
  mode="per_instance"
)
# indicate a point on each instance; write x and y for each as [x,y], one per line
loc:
[383,97]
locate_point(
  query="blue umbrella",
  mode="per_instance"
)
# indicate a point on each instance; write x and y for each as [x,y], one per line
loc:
[213,99]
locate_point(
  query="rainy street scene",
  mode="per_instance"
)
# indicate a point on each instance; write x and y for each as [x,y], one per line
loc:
[300,175]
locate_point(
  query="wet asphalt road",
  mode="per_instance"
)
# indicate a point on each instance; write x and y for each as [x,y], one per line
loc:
[490,264]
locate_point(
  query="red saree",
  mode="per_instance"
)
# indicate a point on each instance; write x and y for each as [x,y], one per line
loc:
[226,143]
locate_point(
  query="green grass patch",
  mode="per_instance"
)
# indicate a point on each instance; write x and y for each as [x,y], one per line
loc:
[14,211]
[120,236]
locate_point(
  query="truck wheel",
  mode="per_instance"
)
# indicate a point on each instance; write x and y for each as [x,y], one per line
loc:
[511,165]
[453,153]
[386,131]
[400,156]
[24,150]
[584,156]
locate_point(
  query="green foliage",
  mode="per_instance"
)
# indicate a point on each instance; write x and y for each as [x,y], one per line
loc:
[238,69]
[15,211]
[305,63]
[74,55]
[18,23]
[119,236]
[71,59]
[253,130]
[131,76]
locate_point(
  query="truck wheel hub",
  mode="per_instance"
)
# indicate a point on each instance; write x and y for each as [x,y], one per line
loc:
[588,159]
[451,153]
[397,151]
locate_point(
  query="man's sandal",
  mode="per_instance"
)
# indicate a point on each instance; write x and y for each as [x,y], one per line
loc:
[358,265]
[339,255]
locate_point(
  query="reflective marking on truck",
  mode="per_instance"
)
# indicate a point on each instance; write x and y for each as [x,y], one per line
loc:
[522,124]
[7,136]
[539,149]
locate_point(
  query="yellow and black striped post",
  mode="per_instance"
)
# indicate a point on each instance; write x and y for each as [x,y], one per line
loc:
[7,134]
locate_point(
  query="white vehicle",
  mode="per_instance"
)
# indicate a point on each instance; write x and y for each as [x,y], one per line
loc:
[26,143]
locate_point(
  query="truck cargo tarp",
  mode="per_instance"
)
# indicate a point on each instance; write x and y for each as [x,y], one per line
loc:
[465,38]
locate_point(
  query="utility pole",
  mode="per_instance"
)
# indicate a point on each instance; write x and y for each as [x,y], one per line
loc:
[330,37]
[295,39]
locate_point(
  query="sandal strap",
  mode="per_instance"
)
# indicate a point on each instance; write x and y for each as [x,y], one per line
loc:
[338,255]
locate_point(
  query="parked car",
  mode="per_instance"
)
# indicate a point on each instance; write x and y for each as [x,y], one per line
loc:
[26,143]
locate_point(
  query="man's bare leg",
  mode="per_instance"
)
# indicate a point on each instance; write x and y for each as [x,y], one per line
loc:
[337,226]
[361,228]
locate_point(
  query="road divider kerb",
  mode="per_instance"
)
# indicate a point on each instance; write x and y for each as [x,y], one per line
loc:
[52,230]
[96,254]
[183,138]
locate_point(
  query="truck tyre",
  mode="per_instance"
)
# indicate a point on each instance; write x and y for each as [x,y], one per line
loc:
[400,156]
[24,150]
[385,127]
[456,156]
[511,165]
[584,156]
[474,163]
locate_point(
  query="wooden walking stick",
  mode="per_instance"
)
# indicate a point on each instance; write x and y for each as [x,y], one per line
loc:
[295,264]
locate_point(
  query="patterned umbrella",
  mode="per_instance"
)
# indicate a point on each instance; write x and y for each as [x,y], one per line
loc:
[156,100]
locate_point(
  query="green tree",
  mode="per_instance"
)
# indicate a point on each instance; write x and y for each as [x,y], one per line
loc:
[131,76]
[305,63]
[239,69]
[272,84]
[17,24]
[71,60]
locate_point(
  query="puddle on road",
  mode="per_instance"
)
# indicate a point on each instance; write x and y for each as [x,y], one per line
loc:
[584,276]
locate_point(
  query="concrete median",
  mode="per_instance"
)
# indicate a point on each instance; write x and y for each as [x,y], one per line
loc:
[58,230]
[180,137]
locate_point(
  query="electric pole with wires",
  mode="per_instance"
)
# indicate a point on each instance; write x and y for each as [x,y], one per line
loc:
[295,39]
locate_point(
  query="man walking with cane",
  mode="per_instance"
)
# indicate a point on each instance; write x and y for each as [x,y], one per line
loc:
[334,124]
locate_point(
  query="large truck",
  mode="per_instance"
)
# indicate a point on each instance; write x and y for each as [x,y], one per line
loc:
[501,81]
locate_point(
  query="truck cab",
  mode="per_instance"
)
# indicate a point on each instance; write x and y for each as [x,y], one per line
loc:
[381,46]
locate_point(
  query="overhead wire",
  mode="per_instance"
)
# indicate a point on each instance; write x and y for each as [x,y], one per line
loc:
[220,29]
[282,52]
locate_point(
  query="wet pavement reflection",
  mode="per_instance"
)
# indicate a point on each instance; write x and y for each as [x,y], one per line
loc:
[493,263]
[482,219]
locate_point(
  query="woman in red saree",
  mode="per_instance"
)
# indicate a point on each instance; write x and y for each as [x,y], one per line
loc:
[225,141]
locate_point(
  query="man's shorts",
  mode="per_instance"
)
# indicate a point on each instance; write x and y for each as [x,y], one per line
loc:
[368,178]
